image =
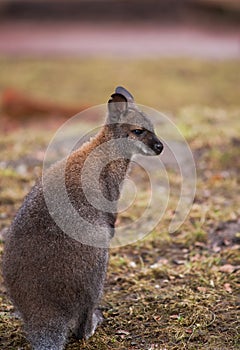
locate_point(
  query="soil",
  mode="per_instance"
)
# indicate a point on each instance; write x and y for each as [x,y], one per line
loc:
[225,234]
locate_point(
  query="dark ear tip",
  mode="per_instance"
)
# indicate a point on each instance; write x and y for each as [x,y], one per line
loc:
[124,92]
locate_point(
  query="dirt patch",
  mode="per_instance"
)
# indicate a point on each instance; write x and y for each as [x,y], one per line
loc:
[226,234]
[22,110]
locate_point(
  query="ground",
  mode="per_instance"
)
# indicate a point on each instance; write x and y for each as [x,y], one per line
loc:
[171,290]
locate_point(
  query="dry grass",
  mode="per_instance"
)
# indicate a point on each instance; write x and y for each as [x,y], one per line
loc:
[168,291]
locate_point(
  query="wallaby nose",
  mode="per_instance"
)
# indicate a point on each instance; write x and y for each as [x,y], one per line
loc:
[158,147]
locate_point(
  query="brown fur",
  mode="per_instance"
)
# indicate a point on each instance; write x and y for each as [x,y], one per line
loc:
[54,280]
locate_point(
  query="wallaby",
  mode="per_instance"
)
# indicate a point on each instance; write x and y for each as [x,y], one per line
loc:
[56,280]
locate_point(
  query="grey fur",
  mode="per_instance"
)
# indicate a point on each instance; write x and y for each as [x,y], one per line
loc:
[54,280]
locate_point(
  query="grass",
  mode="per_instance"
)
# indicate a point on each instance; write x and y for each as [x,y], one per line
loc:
[165,84]
[167,291]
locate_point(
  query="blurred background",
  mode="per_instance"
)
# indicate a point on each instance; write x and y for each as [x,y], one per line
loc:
[123,30]
[122,10]
[181,57]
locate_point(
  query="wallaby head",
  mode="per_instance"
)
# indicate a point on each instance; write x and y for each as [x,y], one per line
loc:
[128,122]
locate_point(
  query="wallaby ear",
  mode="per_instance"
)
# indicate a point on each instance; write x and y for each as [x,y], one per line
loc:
[117,105]
[122,91]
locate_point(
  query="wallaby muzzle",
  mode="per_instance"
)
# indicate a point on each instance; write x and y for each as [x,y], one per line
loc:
[157,145]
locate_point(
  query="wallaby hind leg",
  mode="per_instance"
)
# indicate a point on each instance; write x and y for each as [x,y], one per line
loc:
[48,337]
[97,319]
[87,324]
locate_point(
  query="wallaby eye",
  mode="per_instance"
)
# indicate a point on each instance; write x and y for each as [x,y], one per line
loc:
[137,131]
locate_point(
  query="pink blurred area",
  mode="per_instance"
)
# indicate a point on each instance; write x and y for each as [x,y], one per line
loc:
[133,41]
[120,28]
